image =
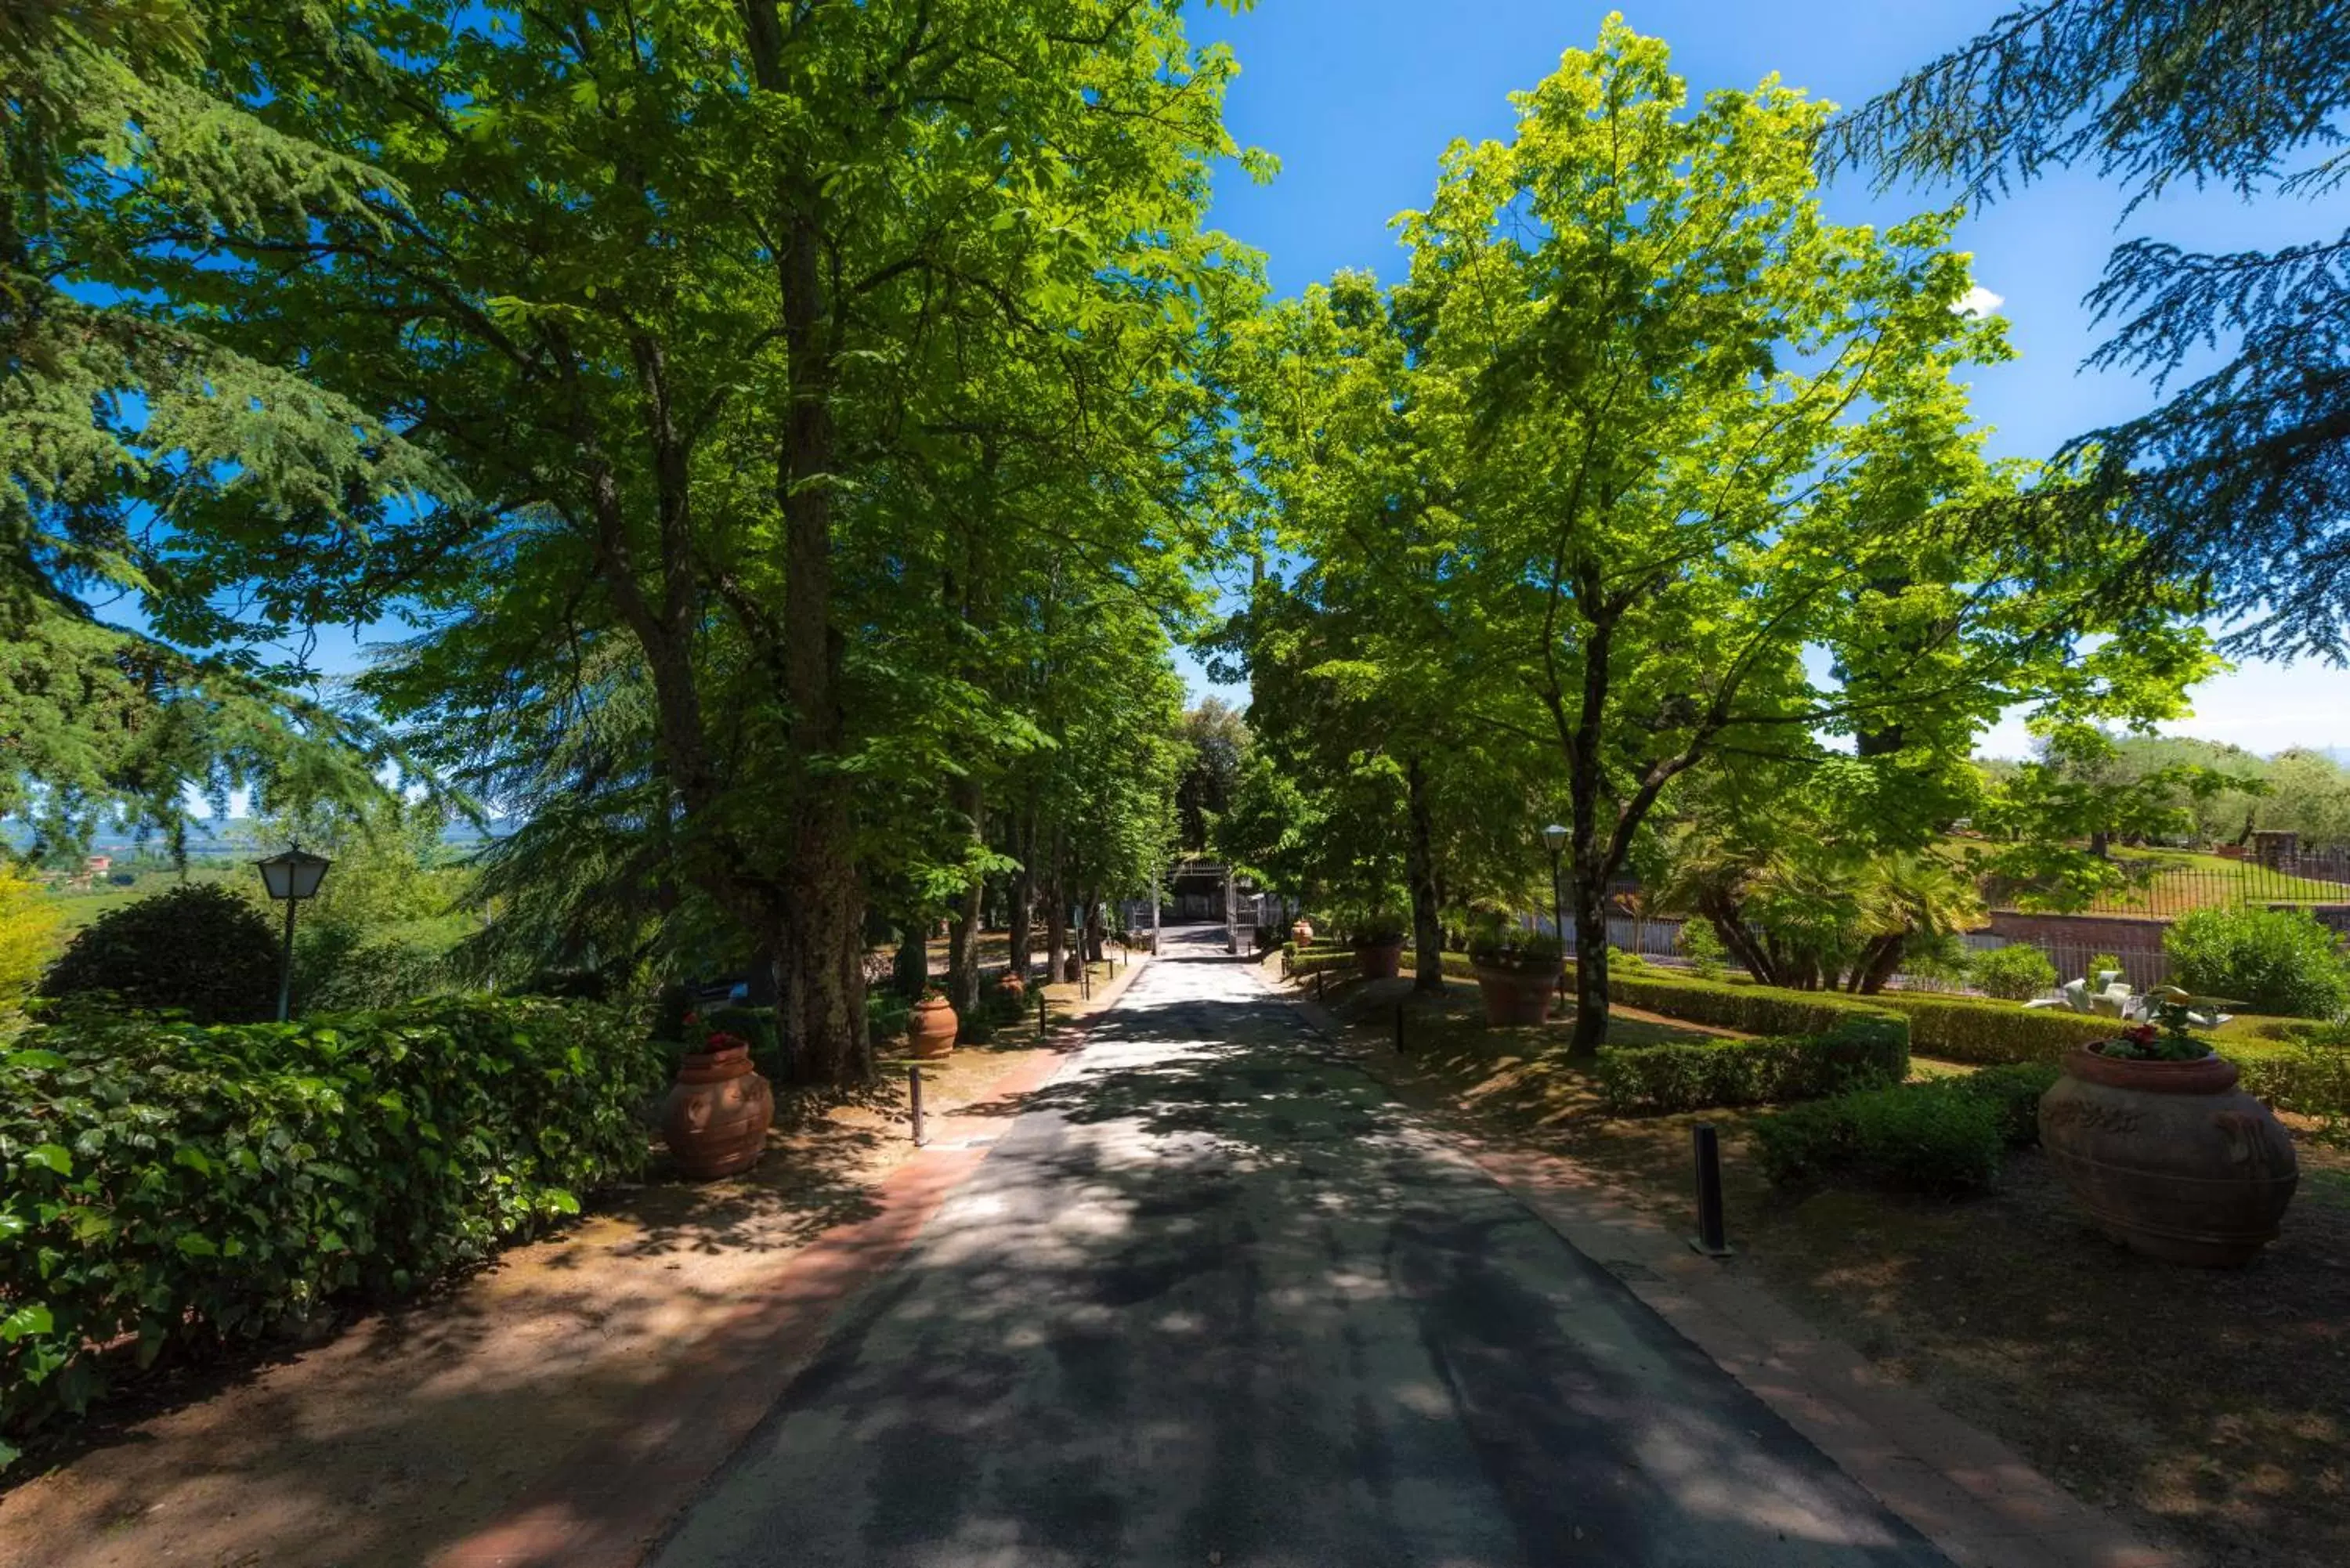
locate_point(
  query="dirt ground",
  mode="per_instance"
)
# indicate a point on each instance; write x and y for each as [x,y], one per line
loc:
[2208,1407]
[410,1428]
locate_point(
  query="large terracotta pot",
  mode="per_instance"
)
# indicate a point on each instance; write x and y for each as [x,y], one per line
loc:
[1515,997]
[1382,960]
[931,1030]
[1301,932]
[2169,1157]
[1012,984]
[717,1114]
[1073,969]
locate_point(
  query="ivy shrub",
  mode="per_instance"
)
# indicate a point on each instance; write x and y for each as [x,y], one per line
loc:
[1970,1028]
[168,1185]
[197,949]
[1858,1052]
[2265,961]
[2013,1094]
[2016,973]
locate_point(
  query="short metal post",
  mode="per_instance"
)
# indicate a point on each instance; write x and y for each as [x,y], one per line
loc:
[1317,983]
[914,1087]
[1041,1025]
[1711,1239]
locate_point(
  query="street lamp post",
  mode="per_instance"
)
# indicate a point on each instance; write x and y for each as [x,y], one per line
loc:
[291,877]
[1554,837]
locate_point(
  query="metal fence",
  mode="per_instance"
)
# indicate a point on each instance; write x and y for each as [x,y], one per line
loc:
[1657,940]
[2168,888]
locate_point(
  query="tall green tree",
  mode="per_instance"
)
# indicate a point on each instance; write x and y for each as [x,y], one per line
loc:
[1694,432]
[139,448]
[695,299]
[2240,473]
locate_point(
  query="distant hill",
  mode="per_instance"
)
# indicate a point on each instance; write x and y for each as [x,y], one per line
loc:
[231,839]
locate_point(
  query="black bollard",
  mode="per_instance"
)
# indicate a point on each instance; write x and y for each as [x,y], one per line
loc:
[914,1087]
[1318,984]
[1711,1238]
[1041,1025]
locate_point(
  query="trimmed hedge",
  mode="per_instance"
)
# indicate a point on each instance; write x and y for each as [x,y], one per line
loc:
[168,1185]
[1945,1137]
[1928,1137]
[1968,1029]
[1858,1052]
[1750,1009]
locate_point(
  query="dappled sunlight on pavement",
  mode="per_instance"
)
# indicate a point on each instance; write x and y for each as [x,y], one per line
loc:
[1214,1297]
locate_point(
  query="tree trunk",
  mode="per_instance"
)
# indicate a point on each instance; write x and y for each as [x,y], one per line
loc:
[1093,927]
[911,974]
[963,935]
[1590,963]
[1022,896]
[1879,964]
[1419,869]
[1056,913]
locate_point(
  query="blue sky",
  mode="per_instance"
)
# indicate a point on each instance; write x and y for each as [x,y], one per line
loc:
[1358,98]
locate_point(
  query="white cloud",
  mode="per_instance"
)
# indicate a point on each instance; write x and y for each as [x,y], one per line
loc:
[1978,301]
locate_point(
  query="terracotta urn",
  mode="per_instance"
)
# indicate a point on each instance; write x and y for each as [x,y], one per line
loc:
[1301,932]
[1012,984]
[717,1114]
[2170,1158]
[1073,969]
[931,1030]
[1516,997]
[1379,960]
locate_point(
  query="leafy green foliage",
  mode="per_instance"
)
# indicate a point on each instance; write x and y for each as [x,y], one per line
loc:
[189,1186]
[2016,973]
[198,947]
[1498,945]
[1750,1009]
[1968,1029]
[1858,1052]
[2267,960]
[2013,1092]
[1702,948]
[1925,1137]
[2240,473]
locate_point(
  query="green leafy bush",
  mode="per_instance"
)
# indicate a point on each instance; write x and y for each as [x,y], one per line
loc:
[2016,973]
[1701,945]
[1514,948]
[2308,1076]
[2013,1094]
[198,947]
[1968,1029]
[1857,1054]
[2266,960]
[166,1185]
[1927,1138]
[1379,929]
[336,974]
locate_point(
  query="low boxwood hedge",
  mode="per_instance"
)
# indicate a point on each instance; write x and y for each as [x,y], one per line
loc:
[1944,1137]
[1750,1009]
[1859,1052]
[1988,1032]
[169,1184]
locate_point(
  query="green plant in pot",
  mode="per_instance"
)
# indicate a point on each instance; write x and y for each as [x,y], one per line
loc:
[1378,938]
[2158,1143]
[1517,973]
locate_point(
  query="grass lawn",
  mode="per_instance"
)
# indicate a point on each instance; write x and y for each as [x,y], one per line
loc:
[2210,1407]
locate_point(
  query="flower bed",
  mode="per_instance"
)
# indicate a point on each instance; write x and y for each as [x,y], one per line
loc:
[165,1185]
